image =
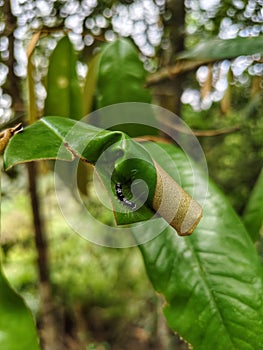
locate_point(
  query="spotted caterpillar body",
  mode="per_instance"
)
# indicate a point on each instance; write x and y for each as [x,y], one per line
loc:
[121,197]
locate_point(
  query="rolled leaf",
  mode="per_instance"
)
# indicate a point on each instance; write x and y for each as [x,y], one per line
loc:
[175,205]
[118,160]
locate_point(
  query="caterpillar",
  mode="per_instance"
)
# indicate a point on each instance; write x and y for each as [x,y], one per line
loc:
[121,197]
[6,135]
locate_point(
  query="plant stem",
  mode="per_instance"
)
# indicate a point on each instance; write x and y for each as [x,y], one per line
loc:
[49,327]
[40,239]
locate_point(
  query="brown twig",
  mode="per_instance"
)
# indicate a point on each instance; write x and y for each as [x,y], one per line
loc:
[181,66]
[152,139]
[32,43]
[183,130]
[169,73]
[217,132]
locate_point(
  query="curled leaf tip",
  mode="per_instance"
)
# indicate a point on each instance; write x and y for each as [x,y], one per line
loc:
[175,205]
[6,135]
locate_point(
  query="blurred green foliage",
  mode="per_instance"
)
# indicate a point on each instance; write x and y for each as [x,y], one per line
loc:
[104,285]
[234,159]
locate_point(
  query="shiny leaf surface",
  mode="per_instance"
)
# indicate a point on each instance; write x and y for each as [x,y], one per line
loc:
[120,78]
[66,139]
[121,75]
[17,328]
[212,281]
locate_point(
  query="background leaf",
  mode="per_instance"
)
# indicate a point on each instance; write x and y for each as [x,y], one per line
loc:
[119,60]
[90,84]
[219,49]
[64,96]
[212,280]
[17,328]
[253,214]
[121,78]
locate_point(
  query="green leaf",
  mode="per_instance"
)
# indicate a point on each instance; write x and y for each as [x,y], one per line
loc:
[36,142]
[118,160]
[121,78]
[121,159]
[219,49]
[90,84]
[64,96]
[212,281]
[32,106]
[253,214]
[17,328]
[121,75]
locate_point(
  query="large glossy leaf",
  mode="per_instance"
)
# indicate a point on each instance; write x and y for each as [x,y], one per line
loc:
[253,214]
[121,75]
[126,169]
[219,49]
[212,281]
[64,96]
[17,328]
[66,139]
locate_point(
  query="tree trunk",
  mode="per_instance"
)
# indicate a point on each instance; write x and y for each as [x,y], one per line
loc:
[169,92]
[49,332]
[12,86]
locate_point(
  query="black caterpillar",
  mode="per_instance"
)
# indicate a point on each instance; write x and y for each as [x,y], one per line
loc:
[121,197]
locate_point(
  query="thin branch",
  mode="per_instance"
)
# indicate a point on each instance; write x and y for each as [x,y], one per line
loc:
[217,132]
[170,72]
[40,237]
[32,43]
[181,66]
[183,130]
[152,138]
